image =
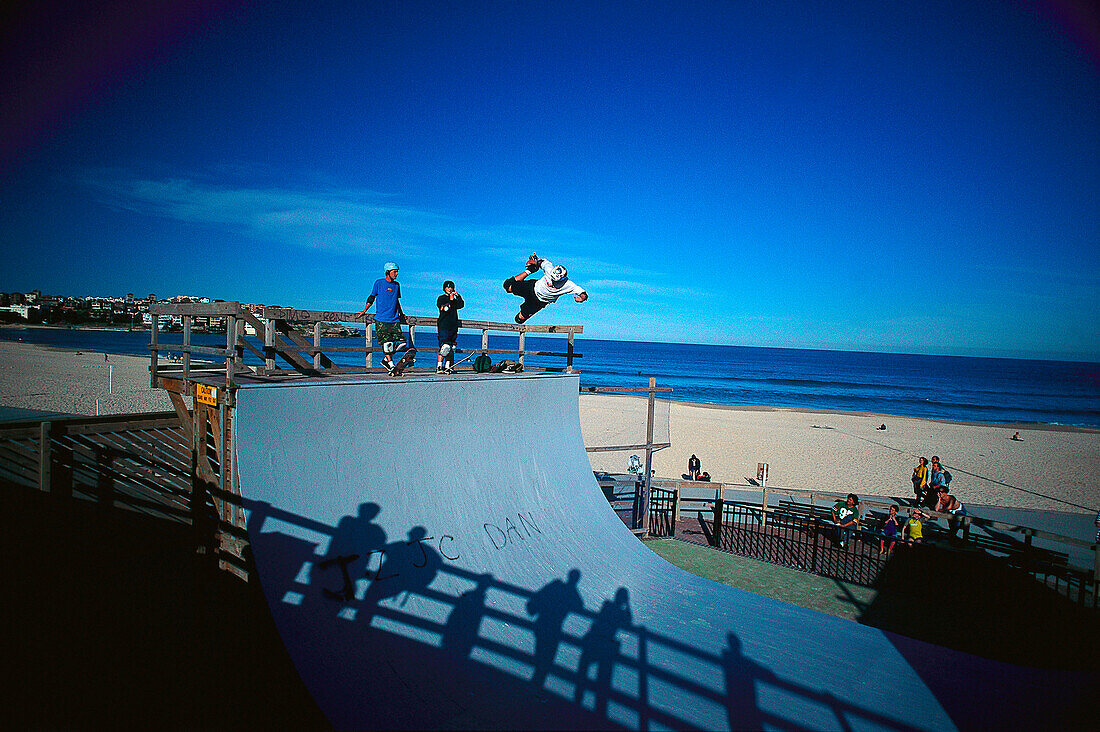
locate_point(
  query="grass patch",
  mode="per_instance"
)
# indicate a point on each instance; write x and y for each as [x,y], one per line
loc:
[833,597]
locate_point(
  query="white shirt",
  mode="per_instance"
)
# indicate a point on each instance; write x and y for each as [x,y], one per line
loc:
[547,291]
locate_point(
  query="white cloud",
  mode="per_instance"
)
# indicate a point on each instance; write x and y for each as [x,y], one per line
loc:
[332,219]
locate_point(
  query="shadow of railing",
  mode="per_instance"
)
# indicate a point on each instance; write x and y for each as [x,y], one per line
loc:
[561,663]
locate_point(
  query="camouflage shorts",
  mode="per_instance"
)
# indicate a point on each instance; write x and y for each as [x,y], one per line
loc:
[388,333]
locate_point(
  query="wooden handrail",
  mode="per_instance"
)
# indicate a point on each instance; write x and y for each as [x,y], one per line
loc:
[275,328]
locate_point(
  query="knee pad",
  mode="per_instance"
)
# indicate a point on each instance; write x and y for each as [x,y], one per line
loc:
[389,347]
[400,347]
[446,350]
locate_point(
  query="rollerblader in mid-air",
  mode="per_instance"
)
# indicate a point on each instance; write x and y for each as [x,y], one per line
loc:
[539,293]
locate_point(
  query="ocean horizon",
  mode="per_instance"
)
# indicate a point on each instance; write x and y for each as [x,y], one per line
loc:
[954,388]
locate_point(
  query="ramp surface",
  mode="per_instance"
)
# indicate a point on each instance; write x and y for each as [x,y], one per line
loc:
[436,553]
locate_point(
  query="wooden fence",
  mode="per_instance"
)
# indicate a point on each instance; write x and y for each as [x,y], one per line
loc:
[145,463]
[277,341]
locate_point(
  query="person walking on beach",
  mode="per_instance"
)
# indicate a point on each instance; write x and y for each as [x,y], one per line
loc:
[539,293]
[447,325]
[388,317]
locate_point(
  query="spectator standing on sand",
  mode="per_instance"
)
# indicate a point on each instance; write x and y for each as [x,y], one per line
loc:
[846,517]
[447,325]
[920,479]
[936,480]
[389,316]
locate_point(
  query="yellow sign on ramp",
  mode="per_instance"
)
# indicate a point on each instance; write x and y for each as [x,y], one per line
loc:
[205,394]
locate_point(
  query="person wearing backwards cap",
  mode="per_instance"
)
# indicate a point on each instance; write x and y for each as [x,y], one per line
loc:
[388,317]
[539,293]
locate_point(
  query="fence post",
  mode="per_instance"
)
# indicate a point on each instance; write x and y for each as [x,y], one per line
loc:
[269,343]
[569,355]
[186,350]
[675,507]
[230,351]
[646,490]
[44,456]
[1095,577]
[764,511]
[366,342]
[154,357]
[719,509]
[813,543]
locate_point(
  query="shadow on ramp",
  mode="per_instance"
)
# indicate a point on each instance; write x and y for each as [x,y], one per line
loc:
[437,553]
[497,655]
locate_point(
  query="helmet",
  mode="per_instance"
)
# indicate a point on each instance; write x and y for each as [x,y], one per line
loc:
[389,266]
[558,274]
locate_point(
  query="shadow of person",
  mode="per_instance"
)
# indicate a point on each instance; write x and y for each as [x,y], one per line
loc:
[353,541]
[600,647]
[406,568]
[741,675]
[461,629]
[550,605]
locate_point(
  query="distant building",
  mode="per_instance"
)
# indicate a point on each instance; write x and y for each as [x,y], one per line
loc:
[29,313]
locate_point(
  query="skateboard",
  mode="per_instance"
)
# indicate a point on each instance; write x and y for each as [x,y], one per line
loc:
[406,361]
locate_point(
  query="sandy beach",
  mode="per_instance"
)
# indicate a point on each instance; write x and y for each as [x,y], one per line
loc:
[46,379]
[842,452]
[830,451]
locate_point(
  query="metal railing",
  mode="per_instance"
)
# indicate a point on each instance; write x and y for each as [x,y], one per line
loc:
[803,537]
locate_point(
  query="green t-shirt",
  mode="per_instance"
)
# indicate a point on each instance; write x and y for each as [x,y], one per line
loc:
[847,514]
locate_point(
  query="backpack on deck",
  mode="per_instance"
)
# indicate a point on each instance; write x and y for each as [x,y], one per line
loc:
[483,363]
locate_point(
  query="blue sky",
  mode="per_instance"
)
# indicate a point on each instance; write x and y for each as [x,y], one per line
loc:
[912,176]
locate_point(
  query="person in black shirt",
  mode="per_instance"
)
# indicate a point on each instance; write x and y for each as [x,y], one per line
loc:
[447,325]
[695,469]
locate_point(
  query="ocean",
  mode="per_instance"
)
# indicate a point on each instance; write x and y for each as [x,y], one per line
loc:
[958,388]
